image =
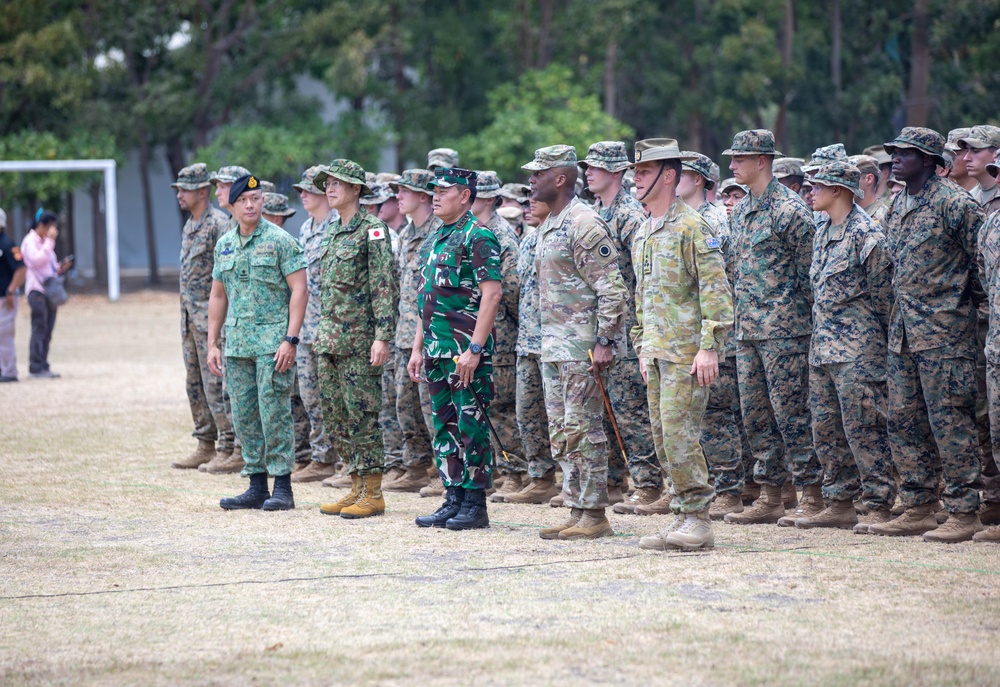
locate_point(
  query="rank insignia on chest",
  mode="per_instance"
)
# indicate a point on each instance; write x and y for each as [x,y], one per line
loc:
[376,233]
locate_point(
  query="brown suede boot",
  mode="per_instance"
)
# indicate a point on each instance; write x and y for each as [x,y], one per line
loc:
[660,506]
[370,500]
[789,497]
[809,506]
[616,494]
[538,490]
[694,533]
[201,455]
[658,541]
[724,505]
[989,513]
[766,510]
[990,534]
[914,521]
[410,481]
[559,500]
[352,496]
[874,516]
[838,515]
[958,527]
[434,488]
[751,492]
[553,532]
[314,472]
[511,485]
[642,496]
[230,465]
[391,475]
[593,524]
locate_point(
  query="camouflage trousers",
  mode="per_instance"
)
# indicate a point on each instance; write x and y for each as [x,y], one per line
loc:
[850,434]
[532,421]
[503,413]
[262,414]
[575,411]
[676,408]
[307,365]
[990,478]
[932,428]
[300,425]
[628,397]
[413,412]
[990,473]
[721,439]
[209,410]
[774,397]
[351,390]
[388,422]
[462,449]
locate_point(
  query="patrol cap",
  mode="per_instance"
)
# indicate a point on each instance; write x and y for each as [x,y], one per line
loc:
[380,193]
[551,157]
[716,173]
[610,156]
[878,152]
[516,192]
[920,138]
[730,183]
[348,171]
[696,162]
[866,164]
[511,214]
[268,187]
[192,177]
[276,204]
[993,168]
[653,149]
[418,180]
[487,184]
[981,136]
[956,135]
[247,182]
[308,180]
[229,174]
[825,155]
[783,167]
[454,176]
[753,142]
[442,157]
[840,173]
[386,177]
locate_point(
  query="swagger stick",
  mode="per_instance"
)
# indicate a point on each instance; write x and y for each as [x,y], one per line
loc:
[607,404]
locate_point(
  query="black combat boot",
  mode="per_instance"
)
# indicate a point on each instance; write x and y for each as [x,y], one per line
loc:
[281,499]
[453,497]
[254,497]
[472,515]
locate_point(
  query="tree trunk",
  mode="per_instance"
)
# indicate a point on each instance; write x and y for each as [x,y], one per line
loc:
[147,211]
[835,65]
[545,34]
[399,80]
[917,103]
[610,80]
[787,42]
[100,235]
[524,37]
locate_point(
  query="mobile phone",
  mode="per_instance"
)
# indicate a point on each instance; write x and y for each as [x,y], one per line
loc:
[69,258]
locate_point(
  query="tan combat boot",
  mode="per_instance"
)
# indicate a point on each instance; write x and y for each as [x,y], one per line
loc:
[692,534]
[914,521]
[874,516]
[314,472]
[616,494]
[810,505]
[553,532]
[370,500]
[352,496]
[593,524]
[990,534]
[958,527]
[559,500]
[724,505]
[642,496]
[766,510]
[434,488]
[658,541]
[989,513]
[341,480]
[838,515]
[218,459]
[660,506]
[230,465]
[789,497]
[538,490]
[751,492]
[410,481]
[201,455]
[511,485]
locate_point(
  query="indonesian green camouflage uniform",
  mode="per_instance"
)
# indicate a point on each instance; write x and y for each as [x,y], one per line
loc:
[306,361]
[413,399]
[626,389]
[581,296]
[360,294]
[532,421]
[932,345]
[462,256]
[772,246]
[254,276]
[684,295]
[852,297]
[989,270]
[503,410]
[204,390]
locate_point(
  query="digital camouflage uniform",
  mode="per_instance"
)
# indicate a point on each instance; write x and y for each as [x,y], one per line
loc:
[852,297]
[772,246]
[209,411]
[932,337]
[254,276]
[867,164]
[358,307]
[684,296]
[462,255]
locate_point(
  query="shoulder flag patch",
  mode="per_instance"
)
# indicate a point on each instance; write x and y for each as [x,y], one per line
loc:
[376,233]
[712,242]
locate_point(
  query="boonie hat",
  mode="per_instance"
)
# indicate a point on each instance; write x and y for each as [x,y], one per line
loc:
[840,173]
[610,156]
[308,182]
[418,180]
[348,171]
[825,155]
[487,184]
[192,177]
[277,204]
[229,174]
[701,164]
[753,142]
[783,167]
[919,138]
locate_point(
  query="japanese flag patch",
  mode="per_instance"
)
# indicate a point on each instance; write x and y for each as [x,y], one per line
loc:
[376,233]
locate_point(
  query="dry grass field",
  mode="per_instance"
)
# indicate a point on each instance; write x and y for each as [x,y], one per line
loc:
[117,570]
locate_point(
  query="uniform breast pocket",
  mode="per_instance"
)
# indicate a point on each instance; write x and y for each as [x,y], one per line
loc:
[446,271]
[760,236]
[265,268]
[841,282]
[344,266]
[226,267]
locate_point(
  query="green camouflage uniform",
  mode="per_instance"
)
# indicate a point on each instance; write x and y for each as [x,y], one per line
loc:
[989,270]
[932,337]
[358,307]
[254,277]
[772,247]
[462,255]
[684,295]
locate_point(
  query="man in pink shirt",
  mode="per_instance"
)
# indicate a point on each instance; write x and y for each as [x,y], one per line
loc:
[38,249]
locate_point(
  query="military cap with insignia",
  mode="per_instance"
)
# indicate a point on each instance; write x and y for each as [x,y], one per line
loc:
[246,183]
[653,149]
[454,176]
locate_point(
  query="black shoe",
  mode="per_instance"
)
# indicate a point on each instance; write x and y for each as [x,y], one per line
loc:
[452,505]
[254,497]
[472,515]
[7,379]
[281,498]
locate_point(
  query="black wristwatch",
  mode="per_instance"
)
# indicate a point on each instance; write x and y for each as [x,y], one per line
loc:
[475,348]
[294,340]
[603,341]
